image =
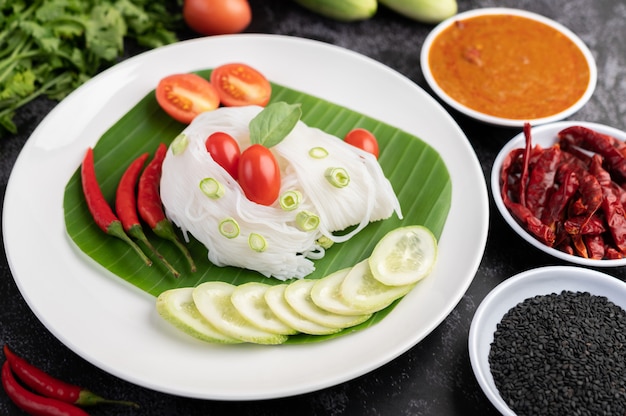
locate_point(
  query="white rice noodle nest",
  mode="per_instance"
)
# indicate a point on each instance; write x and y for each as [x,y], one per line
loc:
[289,251]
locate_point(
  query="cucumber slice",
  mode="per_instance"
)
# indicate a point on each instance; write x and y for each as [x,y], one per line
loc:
[275,297]
[362,291]
[326,293]
[213,301]
[176,306]
[298,296]
[249,300]
[404,256]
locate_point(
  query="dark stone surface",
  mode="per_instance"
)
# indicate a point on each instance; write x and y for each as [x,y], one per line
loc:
[435,376]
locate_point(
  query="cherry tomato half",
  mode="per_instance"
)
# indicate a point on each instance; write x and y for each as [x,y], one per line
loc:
[217,17]
[363,139]
[224,150]
[259,175]
[184,96]
[239,84]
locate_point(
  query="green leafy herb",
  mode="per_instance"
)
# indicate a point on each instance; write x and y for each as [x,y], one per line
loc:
[50,47]
[274,123]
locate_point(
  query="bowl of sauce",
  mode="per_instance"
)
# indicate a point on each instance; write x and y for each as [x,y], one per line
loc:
[508,66]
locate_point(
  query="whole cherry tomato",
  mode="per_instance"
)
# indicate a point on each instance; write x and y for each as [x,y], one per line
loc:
[217,17]
[184,96]
[224,150]
[239,84]
[363,139]
[259,175]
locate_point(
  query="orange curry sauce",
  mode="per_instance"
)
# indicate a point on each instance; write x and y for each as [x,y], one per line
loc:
[509,66]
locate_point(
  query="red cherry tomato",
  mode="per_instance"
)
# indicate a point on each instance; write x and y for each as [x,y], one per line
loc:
[239,84]
[224,150]
[217,17]
[363,139]
[259,175]
[184,96]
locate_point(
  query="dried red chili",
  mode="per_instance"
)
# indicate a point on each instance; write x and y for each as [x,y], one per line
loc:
[150,207]
[50,387]
[126,208]
[32,403]
[99,208]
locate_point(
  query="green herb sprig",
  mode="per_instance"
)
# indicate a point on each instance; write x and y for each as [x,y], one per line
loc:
[50,47]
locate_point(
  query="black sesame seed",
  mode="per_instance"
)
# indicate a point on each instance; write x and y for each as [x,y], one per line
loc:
[562,354]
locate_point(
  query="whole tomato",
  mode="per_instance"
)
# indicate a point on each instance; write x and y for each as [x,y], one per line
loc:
[224,150]
[217,17]
[259,175]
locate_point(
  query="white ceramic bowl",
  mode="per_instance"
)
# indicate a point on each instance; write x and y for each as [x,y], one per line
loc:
[545,136]
[540,281]
[500,120]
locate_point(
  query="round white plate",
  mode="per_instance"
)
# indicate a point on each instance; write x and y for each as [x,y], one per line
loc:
[516,289]
[115,326]
[546,136]
[487,118]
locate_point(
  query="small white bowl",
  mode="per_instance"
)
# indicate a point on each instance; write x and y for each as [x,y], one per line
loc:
[516,289]
[487,118]
[546,136]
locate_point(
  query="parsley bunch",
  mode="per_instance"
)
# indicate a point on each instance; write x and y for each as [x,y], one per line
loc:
[50,47]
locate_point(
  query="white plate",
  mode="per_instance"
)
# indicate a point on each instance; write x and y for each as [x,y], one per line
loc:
[546,136]
[487,118]
[115,326]
[541,281]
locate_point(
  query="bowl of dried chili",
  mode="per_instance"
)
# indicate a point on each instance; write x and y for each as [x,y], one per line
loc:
[562,188]
[508,66]
[548,340]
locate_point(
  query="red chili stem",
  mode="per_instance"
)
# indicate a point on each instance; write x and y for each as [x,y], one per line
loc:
[100,210]
[126,208]
[43,383]
[150,207]
[32,403]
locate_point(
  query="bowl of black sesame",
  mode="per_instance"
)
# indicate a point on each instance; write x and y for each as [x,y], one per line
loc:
[552,341]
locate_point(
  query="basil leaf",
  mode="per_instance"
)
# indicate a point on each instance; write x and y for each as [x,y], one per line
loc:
[274,123]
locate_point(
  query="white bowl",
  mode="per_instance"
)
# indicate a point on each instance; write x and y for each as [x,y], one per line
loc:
[540,281]
[546,136]
[495,119]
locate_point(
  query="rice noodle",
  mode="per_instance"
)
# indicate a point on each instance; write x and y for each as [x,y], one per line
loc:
[289,251]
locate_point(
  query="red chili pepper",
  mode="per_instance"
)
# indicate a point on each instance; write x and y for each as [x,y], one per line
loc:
[150,207]
[32,403]
[126,208]
[100,210]
[541,180]
[53,388]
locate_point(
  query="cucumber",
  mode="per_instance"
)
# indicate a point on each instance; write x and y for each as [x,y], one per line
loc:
[176,306]
[213,300]
[249,300]
[342,10]
[275,297]
[326,294]
[298,296]
[426,11]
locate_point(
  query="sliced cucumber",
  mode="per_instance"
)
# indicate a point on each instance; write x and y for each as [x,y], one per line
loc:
[213,300]
[275,297]
[249,300]
[404,256]
[326,293]
[298,296]
[362,291]
[177,307]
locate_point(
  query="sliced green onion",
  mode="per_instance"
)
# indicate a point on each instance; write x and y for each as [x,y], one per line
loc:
[290,200]
[318,152]
[229,228]
[338,177]
[257,242]
[212,188]
[325,242]
[179,144]
[307,221]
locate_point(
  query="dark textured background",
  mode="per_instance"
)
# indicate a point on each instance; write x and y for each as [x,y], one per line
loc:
[434,377]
